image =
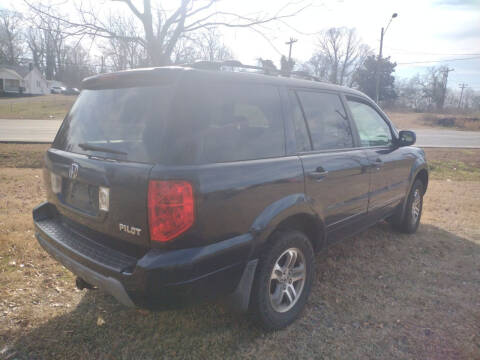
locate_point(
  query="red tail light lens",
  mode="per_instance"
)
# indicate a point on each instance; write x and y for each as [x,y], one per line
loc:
[170,209]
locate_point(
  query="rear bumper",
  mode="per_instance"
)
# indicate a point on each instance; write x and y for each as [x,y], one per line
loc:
[157,279]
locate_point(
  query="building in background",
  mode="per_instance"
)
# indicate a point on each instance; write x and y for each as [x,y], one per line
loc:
[16,79]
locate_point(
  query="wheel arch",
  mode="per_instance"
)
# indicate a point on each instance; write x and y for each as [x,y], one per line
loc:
[292,212]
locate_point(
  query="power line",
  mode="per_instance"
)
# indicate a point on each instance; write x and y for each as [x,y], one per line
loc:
[429,53]
[436,61]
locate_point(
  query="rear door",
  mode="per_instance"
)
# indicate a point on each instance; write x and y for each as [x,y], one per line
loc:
[102,158]
[336,174]
[390,164]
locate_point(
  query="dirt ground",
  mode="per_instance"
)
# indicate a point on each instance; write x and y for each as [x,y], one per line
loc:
[378,295]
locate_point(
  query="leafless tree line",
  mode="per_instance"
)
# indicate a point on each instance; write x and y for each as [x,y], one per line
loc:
[59,43]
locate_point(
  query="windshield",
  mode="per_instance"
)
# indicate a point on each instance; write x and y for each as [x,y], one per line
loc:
[122,124]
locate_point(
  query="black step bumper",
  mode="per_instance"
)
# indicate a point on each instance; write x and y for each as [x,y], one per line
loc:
[157,279]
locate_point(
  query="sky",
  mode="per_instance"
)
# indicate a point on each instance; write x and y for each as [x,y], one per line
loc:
[423,32]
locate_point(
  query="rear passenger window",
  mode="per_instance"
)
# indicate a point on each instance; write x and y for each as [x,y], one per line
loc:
[220,122]
[327,120]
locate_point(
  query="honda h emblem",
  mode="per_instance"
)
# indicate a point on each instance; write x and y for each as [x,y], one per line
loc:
[73,172]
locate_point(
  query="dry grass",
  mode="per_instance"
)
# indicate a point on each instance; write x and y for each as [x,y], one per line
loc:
[454,164]
[406,120]
[379,295]
[22,155]
[36,107]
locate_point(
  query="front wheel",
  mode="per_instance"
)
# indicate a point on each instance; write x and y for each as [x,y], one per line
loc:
[283,281]
[413,210]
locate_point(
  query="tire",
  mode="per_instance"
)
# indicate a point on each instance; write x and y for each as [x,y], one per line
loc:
[413,210]
[271,303]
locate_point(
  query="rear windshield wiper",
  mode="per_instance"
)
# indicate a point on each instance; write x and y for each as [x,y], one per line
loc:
[87,146]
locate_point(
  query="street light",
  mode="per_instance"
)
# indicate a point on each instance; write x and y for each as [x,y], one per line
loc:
[380,53]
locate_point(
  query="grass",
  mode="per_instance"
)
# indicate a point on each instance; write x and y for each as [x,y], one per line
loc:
[454,164]
[22,155]
[378,295]
[411,120]
[37,107]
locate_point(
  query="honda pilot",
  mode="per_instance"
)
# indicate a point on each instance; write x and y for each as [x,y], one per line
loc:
[172,185]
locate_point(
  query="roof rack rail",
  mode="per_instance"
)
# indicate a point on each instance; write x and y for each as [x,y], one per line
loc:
[218,65]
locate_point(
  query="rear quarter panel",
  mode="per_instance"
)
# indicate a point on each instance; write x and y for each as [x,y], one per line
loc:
[231,198]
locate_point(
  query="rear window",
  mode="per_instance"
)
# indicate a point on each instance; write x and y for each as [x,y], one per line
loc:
[181,125]
[117,120]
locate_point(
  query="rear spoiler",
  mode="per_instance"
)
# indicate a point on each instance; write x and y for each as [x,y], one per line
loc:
[134,78]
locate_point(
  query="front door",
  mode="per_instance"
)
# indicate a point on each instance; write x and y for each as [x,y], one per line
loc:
[336,174]
[390,165]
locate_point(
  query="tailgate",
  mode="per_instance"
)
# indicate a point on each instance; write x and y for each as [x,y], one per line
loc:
[82,177]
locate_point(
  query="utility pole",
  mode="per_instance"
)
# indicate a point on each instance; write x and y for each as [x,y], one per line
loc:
[380,54]
[377,75]
[444,85]
[461,86]
[290,43]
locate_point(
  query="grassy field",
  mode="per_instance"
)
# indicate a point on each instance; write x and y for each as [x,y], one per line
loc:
[379,295]
[57,106]
[36,107]
[410,120]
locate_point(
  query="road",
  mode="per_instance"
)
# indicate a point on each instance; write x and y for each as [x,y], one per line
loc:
[45,130]
[28,130]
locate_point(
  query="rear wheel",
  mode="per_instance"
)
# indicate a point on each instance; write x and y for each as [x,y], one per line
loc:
[413,211]
[283,281]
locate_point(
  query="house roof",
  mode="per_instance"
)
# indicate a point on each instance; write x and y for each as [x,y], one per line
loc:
[20,70]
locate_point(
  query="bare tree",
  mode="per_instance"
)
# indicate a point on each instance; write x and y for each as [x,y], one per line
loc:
[340,52]
[122,52]
[162,29]
[212,48]
[11,37]
[47,37]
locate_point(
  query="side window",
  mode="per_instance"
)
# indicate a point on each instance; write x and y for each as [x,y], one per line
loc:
[301,133]
[327,120]
[372,128]
[219,122]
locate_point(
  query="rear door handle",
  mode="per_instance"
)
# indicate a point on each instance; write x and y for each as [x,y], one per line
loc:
[319,174]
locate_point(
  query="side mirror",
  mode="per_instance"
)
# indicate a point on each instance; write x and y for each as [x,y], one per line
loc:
[406,138]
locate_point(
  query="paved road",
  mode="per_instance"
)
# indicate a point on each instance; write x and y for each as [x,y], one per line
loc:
[28,130]
[45,130]
[448,138]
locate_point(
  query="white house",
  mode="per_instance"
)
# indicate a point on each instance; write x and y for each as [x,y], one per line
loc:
[22,79]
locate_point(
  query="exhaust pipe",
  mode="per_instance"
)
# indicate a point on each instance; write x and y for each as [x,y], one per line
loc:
[82,284]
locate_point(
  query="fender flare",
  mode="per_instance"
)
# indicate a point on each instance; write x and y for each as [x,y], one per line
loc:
[277,212]
[417,167]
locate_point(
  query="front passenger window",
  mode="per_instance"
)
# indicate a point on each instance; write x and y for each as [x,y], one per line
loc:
[372,128]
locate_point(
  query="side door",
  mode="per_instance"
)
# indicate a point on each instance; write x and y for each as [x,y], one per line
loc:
[390,164]
[336,174]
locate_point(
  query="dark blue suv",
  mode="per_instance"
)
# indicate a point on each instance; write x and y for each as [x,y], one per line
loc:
[177,184]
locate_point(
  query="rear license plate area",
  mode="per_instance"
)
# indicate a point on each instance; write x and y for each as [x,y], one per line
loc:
[81,196]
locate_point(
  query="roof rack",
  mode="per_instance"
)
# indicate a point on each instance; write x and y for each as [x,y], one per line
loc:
[220,65]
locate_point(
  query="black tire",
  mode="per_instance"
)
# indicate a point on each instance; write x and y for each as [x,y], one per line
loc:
[409,223]
[261,304]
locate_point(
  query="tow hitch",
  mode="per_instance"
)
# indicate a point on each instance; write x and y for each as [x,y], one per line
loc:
[82,284]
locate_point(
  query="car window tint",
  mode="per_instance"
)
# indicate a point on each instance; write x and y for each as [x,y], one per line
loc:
[327,120]
[301,132]
[219,122]
[372,128]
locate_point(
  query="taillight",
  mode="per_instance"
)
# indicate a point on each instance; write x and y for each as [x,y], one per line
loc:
[170,208]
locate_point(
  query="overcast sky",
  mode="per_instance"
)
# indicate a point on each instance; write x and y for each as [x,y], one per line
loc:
[425,30]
